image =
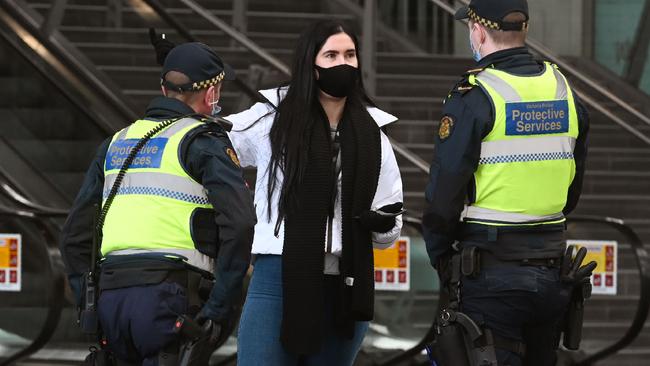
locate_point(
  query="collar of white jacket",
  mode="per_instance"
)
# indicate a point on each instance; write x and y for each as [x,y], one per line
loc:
[276,94]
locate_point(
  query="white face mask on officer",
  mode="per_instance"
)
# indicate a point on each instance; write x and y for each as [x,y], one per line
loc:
[476,53]
[215,107]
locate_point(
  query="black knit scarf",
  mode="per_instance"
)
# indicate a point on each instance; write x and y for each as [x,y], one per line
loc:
[304,233]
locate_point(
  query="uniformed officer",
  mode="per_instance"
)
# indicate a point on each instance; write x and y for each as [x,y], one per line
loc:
[508,166]
[180,216]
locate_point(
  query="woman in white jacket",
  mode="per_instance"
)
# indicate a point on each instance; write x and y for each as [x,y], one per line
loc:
[328,189]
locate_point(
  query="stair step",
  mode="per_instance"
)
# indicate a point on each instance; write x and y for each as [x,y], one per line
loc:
[143,55]
[258,21]
[259,5]
[139,35]
[279,5]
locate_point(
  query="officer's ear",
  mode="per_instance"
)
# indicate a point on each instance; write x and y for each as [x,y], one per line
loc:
[164,91]
[480,32]
[212,94]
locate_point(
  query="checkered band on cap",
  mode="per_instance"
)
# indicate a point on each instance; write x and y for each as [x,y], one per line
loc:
[489,23]
[208,83]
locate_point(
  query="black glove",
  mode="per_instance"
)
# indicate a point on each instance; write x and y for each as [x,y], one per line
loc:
[218,331]
[572,271]
[375,221]
[161,45]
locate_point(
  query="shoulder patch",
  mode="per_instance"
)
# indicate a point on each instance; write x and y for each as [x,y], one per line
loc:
[446,126]
[232,155]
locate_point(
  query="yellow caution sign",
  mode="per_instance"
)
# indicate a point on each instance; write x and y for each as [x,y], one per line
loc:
[605,254]
[10,262]
[392,266]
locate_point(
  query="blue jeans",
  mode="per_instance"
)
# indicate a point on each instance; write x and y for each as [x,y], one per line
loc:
[523,303]
[258,342]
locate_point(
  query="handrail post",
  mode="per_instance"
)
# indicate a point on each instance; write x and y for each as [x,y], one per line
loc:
[422,22]
[239,22]
[368,51]
[54,17]
[114,13]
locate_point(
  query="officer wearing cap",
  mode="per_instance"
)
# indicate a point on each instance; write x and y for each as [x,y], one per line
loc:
[178,226]
[508,166]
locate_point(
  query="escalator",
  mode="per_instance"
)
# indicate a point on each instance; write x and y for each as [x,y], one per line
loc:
[56,146]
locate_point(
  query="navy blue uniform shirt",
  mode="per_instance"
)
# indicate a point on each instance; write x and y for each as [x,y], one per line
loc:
[451,179]
[203,156]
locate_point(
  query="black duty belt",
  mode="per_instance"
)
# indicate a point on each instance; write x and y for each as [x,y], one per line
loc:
[489,260]
[473,260]
[140,273]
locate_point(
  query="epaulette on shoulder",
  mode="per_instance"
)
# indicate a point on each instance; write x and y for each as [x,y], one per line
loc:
[464,85]
[473,71]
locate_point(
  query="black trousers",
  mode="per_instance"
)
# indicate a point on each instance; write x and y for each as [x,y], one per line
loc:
[521,303]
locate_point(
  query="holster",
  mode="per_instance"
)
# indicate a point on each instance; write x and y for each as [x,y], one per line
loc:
[575,315]
[459,340]
[197,344]
[99,357]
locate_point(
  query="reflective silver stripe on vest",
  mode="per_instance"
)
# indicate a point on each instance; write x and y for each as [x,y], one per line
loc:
[193,257]
[485,214]
[158,184]
[510,94]
[122,134]
[561,91]
[529,149]
[500,86]
[177,126]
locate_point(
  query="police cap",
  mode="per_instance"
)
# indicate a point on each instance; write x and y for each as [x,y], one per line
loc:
[200,63]
[490,13]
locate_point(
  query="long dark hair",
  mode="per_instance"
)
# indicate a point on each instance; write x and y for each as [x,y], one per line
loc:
[298,113]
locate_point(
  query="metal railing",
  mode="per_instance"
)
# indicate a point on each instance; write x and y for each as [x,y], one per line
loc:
[30,207]
[54,268]
[238,36]
[230,31]
[256,49]
[643,306]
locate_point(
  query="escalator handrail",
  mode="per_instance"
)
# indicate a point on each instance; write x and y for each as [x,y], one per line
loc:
[429,336]
[643,307]
[56,300]
[643,264]
[549,55]
[33,208]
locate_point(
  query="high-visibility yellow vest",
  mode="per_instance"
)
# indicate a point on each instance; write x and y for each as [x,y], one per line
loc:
[526,164]
[152,211]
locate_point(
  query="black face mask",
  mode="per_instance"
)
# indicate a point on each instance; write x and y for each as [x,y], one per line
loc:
[337,81]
